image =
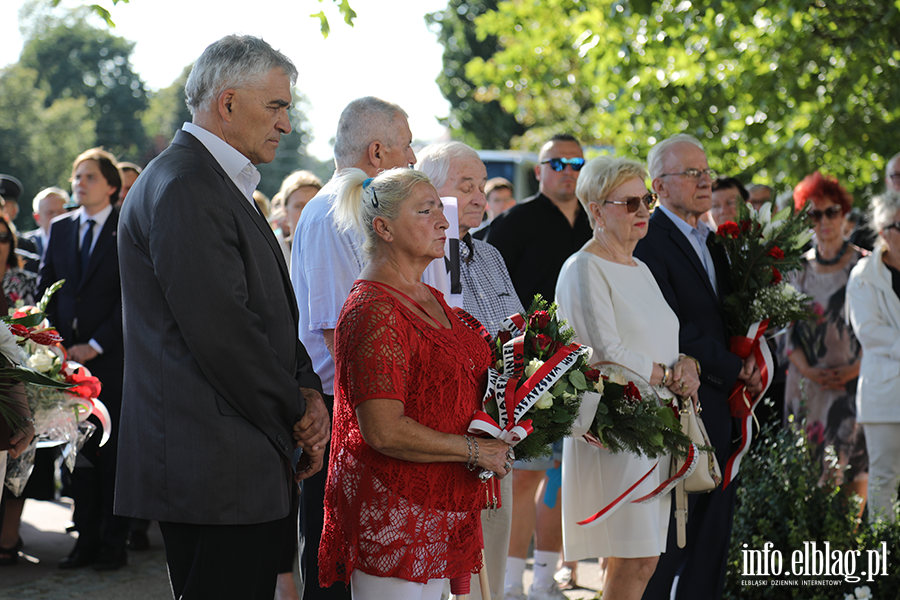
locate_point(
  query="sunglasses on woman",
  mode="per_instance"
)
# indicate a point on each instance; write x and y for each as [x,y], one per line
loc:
[831,212]
[558,164]
[634,202]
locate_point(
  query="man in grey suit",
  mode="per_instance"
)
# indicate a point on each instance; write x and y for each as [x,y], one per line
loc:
[216,382]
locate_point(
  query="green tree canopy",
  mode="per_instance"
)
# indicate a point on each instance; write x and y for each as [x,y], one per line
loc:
[478,122]
[37,142]
[775,90]
[74,59]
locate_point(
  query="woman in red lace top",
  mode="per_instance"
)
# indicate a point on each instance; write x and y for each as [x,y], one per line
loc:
[401,507]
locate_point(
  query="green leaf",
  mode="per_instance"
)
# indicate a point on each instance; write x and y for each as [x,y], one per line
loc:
[324,27]
[26,375]
[578,380]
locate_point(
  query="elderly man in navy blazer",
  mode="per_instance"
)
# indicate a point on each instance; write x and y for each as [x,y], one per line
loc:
[218,389]
[691,273]
[87,311]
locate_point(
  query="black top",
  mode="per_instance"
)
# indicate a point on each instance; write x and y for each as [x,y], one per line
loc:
[535,239]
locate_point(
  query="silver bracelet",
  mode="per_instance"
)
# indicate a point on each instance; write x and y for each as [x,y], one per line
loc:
[469,444]
[475,461]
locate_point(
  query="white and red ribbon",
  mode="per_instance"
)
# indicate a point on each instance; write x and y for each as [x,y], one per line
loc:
[740,402]
[662,489]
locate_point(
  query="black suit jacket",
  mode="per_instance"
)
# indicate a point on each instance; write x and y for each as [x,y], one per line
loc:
[213,364]
[89,305]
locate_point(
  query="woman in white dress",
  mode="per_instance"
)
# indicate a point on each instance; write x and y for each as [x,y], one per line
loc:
[614,305]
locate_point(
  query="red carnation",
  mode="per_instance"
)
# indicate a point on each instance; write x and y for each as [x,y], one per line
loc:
[776,253]
[776,276]
[592,375]
[729,229]
[539,320]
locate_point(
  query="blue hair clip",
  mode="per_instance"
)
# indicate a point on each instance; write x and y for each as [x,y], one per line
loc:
[367,182]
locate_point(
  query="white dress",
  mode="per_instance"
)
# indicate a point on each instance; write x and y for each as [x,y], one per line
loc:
[620,312]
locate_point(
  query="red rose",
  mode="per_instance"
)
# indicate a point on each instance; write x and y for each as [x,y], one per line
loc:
[776,253]
[815,433]
[729,229]
[539,320]
[776,276]
[592,375]
[541,342]
[631,393]
[504,336]
[745,226]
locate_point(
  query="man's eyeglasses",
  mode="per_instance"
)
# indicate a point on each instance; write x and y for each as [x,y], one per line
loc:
[832,212]
[633,203]
[694,173]
[558,164]
[894,225]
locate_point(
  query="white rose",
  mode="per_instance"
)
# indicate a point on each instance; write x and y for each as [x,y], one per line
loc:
[618,377]
[41,361]
[544,402]
[532,367]
[598,386]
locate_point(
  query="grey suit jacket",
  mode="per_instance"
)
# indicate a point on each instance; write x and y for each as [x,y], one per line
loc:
[213,366]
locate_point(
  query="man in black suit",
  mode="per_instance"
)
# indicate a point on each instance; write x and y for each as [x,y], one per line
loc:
[87,312]
[690,273]
[218,389]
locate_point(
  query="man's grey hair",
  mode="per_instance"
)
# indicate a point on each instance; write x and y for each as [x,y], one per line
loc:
[230,63]
[435,160]
[50,191]
[365,120]
[657,155]
[887,170]
[882,210]
[759,186]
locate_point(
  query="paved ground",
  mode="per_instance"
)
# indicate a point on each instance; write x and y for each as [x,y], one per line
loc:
[37,577]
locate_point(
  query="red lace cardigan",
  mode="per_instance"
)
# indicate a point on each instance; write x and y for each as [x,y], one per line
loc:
[385,516]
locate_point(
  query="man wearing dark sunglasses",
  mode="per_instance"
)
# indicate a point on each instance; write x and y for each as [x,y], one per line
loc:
[690,273]
[535,238]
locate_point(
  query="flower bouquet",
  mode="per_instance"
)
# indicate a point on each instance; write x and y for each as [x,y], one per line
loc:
[61,394]
[631,417]
[760,248]
[627,415]
[536,385]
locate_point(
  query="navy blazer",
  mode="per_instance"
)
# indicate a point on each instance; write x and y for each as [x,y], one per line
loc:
[702,334]
[88,306]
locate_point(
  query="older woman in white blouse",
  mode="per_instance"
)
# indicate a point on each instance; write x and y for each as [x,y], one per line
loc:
[874,309]
[614,305]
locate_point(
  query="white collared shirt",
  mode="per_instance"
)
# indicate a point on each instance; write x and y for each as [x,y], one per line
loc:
[99,221]
[237,166]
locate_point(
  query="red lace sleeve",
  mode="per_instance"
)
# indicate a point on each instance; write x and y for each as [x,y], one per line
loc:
[374,351]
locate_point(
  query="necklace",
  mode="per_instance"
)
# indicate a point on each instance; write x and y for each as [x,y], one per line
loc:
[832,261]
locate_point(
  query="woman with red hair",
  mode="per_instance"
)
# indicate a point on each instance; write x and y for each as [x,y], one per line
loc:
[824,353]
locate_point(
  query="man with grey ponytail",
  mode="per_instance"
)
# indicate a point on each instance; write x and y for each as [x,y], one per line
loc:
[373,136]
[219,396]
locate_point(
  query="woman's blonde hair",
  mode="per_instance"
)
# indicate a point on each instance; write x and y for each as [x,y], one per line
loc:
[601,176]
[361,198]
